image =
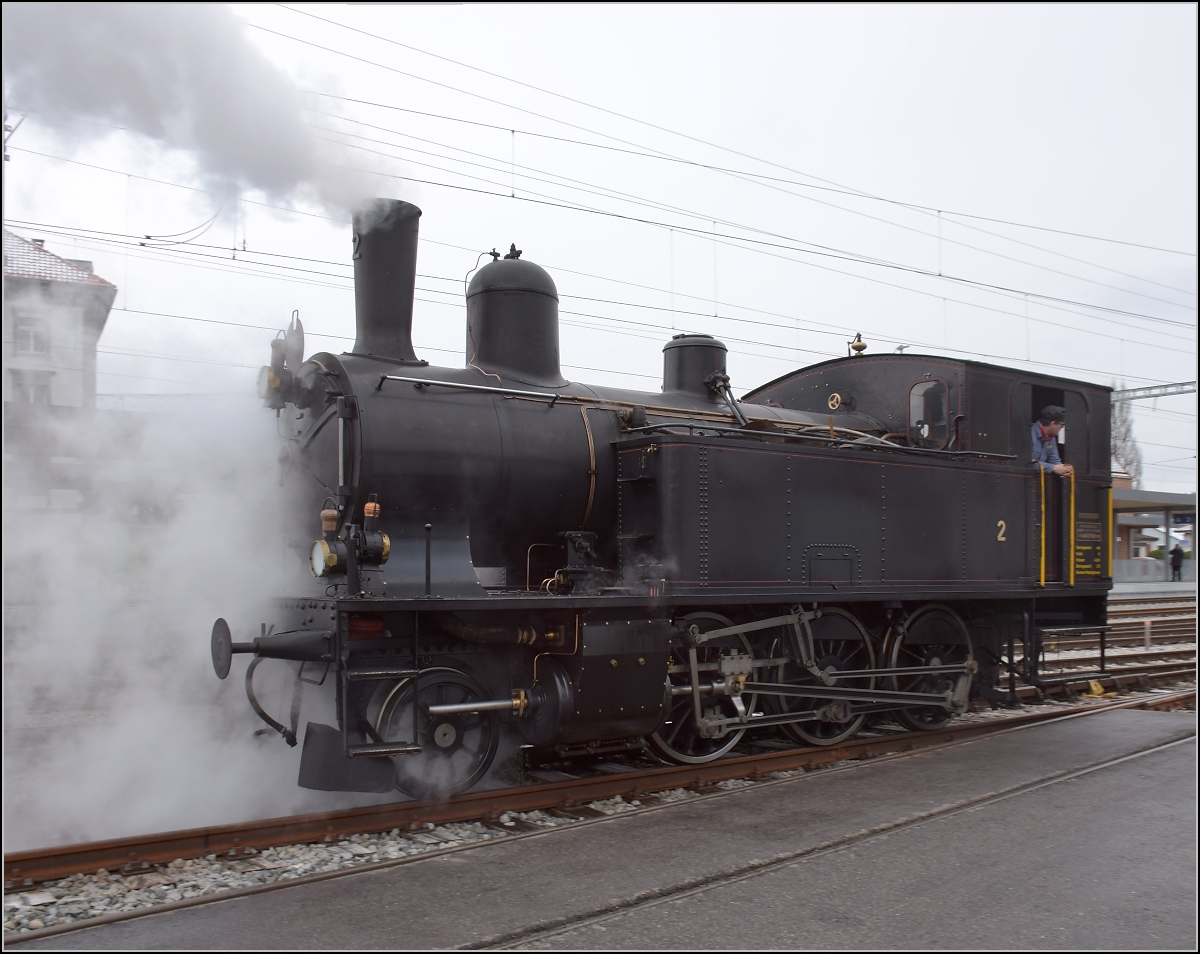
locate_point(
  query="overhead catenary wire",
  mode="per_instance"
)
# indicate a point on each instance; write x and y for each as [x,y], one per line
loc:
[1084,304]
[974,353]
[816,249]
[888,222]
[793,349]
[618,139]
[604,278]
[804,185]
[812,327]
[509,79]
[156,356]
[1164,412]
[970,304]
[1172,460]
[734,240]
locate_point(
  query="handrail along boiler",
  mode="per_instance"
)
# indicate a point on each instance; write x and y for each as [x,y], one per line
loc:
[500,555]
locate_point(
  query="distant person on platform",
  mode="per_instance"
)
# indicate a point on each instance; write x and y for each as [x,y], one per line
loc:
[1045,441]
[1177,564]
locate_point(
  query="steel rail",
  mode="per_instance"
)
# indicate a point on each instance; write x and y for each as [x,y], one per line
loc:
[1133,604]
[131,855]
[1145,669]
[1115,663]
[1152,600]
[1066,684]
[1128,639]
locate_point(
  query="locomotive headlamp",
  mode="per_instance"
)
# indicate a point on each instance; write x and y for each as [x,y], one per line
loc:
[279,383]
[327,557]
[266,381]
[273,378]
[374,548]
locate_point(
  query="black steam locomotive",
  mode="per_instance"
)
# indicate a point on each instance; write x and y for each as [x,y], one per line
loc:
[497,553]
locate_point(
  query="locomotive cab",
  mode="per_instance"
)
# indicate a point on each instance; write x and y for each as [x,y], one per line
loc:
[940,404]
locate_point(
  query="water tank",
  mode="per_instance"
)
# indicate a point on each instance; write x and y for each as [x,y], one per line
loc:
[512,322]
[688,360]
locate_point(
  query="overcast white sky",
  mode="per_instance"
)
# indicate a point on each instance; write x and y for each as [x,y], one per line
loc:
[1078,118]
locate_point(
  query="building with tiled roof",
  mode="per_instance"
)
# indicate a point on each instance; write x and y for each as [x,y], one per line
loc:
[54,311]
[25,258]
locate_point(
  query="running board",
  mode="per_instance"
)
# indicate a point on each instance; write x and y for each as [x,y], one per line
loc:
[389,672]
[381,749]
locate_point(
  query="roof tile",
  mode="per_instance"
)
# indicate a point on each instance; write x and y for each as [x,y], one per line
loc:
[24,259]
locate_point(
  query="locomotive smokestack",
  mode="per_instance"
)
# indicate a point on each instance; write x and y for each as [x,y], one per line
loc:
[385,275]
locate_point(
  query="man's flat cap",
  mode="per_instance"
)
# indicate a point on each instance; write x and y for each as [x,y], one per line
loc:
[1052,413]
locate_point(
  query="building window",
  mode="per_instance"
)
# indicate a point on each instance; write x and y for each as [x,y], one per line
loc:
[33,336]
[31,387]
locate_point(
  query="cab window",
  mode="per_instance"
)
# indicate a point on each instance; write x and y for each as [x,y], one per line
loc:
[927,414]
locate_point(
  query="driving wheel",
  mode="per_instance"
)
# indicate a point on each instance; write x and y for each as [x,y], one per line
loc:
[456,750]
[680,739]
[933,635]
[839,644]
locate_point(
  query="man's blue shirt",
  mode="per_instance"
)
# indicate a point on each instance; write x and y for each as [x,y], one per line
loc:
[1045,449]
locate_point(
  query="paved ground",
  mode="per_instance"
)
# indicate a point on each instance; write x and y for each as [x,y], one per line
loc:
[1123,591]
[992,844]
[1097,882]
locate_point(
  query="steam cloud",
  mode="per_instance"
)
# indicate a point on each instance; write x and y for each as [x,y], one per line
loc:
[114,722]
[182,74]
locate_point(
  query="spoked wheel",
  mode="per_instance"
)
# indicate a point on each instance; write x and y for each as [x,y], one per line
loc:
[679,739]
[456,750]
[839,643]
[932,636]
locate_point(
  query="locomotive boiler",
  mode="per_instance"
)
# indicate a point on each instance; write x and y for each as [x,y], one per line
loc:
[496,553]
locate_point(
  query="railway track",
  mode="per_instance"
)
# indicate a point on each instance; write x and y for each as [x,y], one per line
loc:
[568,797]
[1120,659]
[1140,621]
[1123,680]
[1121,666]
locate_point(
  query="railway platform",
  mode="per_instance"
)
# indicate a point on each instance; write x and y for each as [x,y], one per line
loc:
[1072,834]
[1155,590]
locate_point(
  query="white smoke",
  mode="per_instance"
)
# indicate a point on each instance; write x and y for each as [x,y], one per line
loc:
[184,75]
[114,721]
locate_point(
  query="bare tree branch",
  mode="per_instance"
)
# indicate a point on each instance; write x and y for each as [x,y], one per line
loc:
[1125,450]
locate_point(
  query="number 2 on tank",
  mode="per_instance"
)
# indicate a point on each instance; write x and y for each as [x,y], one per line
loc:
[1003,528]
